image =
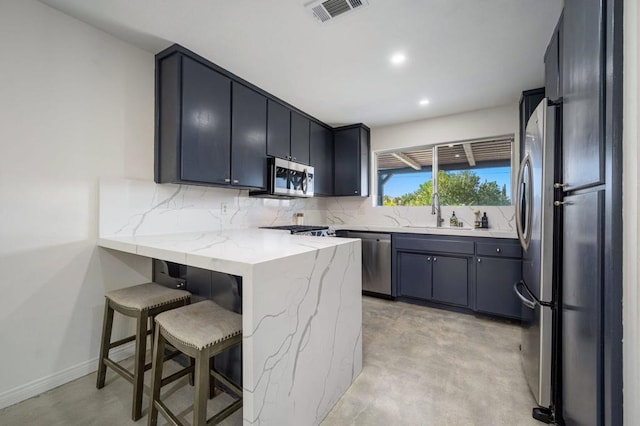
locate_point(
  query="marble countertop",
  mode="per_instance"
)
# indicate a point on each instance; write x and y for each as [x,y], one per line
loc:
[445,230]
[231,251]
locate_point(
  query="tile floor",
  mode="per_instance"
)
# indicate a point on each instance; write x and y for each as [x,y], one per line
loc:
[422,366]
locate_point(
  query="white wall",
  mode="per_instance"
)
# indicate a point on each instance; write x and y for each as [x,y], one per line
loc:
[631,181]
[459,127]
[75,104]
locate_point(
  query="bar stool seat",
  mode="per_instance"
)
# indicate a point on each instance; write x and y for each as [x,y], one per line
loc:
[141,302]
[201,331]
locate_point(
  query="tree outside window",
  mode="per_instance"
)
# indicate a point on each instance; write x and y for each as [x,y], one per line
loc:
[470,173]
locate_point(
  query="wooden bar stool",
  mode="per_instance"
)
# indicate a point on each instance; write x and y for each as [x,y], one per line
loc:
[201,331]
[140,302]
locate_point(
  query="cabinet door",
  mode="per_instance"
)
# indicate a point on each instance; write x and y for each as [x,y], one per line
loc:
[450,280]
[364,163]
[278,130]
[299,138]
[321,158]
[494,286]
[206,124]
[414,275]
[582,295]
[583,142]
[249,138]
[552,66]
[347,162]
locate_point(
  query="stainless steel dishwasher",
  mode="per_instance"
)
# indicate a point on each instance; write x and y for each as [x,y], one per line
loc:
[376,261]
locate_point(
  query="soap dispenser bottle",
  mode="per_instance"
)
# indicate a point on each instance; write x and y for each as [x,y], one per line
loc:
[454,220]
[485,221]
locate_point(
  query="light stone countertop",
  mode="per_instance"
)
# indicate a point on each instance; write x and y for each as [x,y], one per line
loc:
[430,230]
[231,251]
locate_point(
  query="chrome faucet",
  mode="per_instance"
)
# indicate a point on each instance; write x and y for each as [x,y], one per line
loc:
[435,209]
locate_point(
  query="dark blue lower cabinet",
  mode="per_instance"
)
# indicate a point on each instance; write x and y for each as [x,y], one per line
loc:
[433,277]
[451,280]
[414,275]
[495,278]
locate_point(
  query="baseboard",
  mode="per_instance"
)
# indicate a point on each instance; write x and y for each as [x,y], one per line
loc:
[38,386]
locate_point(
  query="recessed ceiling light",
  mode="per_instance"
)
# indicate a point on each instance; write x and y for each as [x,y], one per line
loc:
[424,102]
[398,58]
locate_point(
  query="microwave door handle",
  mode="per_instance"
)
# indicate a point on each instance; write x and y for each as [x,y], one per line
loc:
[304,183]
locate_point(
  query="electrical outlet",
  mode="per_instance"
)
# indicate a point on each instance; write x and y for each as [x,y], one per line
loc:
[224,208]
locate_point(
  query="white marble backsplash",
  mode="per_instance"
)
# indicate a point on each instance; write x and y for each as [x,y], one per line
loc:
[361,212]
[137,207]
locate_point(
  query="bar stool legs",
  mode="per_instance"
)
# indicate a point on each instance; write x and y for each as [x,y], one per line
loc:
[142,302]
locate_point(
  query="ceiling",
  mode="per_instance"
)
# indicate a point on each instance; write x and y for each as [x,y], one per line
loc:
[461,55]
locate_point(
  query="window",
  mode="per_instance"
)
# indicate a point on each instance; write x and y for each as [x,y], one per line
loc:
[470,173]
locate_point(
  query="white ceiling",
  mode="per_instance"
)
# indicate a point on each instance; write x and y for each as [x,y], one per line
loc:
[462,55]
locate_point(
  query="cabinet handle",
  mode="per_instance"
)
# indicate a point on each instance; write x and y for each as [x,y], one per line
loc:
[355,192]
[428,259]
[235,181]
[560,185]
[479,260]
[498,250]
[227,180]
[435,259]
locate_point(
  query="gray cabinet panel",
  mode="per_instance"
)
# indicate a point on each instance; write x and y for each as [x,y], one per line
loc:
[351,161]
[205,130]
[249,138]
[451,280]
[583,150]
[278,130]
[496,248]
[299,138]
[321,158]
[582,370]
[414,275]
[494,286]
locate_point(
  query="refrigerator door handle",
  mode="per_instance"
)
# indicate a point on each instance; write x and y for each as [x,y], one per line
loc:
[531,304]
[524,196]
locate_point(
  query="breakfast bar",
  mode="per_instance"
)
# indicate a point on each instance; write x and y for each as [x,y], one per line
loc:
[301,313]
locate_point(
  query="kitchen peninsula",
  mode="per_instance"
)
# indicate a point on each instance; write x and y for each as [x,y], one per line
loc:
[301,313]
[301,296]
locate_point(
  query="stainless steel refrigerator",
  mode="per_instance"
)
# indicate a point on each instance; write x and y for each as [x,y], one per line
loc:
[535,226]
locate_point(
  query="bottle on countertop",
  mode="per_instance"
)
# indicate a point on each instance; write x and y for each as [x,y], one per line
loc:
[485,221]
[454,220]
[299,219]
[477,223]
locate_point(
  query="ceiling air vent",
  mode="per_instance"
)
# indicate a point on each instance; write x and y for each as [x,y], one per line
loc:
[326,10]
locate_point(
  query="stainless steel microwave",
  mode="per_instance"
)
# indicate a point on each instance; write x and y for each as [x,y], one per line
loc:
[287,179]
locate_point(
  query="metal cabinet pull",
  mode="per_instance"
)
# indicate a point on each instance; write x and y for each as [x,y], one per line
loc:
[235,181]
[498,250]
[428,259]
[227,180]
[479,260]
[435,259]
[559,203]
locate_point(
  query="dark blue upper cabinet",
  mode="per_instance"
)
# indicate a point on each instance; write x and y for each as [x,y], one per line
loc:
[278,130]
[205,124]
[299,138]
[194,131]
[248,138]
[321,158]
[583,146]
[351,161]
